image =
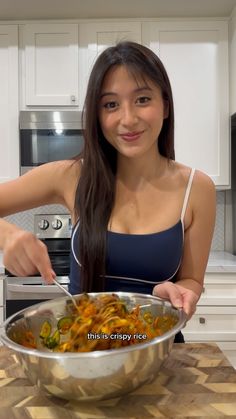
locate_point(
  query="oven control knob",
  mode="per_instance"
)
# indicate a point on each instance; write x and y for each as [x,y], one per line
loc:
[56,224]
[43,224]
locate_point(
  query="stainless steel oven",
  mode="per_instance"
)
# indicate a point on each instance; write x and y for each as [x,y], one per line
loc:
[22,292]
[47,136]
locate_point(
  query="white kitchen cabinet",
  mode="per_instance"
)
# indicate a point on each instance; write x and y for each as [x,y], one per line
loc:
[195,54]
[9,132]
[2,300]
[56,62]
[94,37]
[215,317]
[51,64]
[232,61]
[212,323]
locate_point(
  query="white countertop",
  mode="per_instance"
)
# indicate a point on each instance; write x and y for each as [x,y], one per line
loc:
[218,262]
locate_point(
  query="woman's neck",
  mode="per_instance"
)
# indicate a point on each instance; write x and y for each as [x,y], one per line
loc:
[137,172]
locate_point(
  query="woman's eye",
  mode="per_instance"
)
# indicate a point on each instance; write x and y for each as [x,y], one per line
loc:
[143,99]
[110,105]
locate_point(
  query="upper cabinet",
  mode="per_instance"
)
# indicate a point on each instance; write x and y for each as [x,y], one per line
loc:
[195,55]
[51,64]
[94,37]
[56,60]
[232,61]
[9,132]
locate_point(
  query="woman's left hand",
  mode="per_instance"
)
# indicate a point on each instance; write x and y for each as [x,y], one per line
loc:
[179,296]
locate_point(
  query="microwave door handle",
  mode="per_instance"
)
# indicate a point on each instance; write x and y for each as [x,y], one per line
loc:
[19,288]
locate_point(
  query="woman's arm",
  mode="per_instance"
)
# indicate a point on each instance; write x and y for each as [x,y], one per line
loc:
[186,291]
[52,183]
[43,185]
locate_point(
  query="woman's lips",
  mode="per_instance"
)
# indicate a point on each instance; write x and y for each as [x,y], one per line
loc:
[131,136]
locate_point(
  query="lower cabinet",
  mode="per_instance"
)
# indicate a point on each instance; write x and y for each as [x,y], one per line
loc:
[215,317]
[212,323]
[2,302]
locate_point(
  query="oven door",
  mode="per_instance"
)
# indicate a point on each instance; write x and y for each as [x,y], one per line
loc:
[24,292]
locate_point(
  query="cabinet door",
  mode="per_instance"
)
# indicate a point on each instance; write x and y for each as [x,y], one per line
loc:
[195,55]
[211,324]
[51,64]
[232,61]
[94,38]
[9,135]
[219,289]
[2,302]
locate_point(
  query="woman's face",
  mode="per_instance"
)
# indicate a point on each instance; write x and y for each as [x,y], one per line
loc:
[131,112]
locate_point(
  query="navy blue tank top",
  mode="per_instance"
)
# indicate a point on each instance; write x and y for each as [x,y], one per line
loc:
[136,262]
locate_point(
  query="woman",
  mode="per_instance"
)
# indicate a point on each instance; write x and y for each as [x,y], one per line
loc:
[141,220]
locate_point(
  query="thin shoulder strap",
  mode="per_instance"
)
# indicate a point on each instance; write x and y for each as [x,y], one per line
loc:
[187,193]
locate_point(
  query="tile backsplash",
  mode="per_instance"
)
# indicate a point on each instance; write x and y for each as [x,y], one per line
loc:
[25,219]
[218,242]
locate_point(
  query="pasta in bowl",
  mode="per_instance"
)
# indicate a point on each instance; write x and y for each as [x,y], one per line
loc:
[110,345]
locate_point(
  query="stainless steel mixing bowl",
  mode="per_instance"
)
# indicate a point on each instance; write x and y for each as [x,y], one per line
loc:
[93,375]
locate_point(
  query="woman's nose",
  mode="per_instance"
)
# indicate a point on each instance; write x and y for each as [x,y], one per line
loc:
[129,115]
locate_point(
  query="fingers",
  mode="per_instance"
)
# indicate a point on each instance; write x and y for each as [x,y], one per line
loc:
[17,262]
[189,309]
[42,262]
[26,255]
[169,291]
[190,299]
[179,296]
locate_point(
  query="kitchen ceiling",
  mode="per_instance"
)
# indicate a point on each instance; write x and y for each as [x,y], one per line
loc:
[89,9]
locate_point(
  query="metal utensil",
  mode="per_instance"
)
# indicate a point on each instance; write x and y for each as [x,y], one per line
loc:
[66,292]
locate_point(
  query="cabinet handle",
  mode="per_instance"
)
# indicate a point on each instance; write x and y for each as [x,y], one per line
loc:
[202,320]
[73,98]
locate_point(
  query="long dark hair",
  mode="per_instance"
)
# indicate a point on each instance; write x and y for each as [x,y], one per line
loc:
[96,188]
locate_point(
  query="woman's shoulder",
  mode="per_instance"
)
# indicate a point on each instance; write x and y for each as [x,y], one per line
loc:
[50,183]
[67,175]
[58,172]
[58,180]
[202,198]
[200,180]
[68,168]
[203,191]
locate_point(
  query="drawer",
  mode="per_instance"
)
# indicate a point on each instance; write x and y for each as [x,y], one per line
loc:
[227,346]
[1,290]
[212,324]
[1,320]
[1,315]
[218,294]
[220,277]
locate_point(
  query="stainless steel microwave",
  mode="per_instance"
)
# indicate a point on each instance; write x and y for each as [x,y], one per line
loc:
[47,136]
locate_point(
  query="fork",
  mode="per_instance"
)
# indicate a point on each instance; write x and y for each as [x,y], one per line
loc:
[66,292]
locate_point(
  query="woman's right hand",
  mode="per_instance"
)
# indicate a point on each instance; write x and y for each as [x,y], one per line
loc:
[24,255]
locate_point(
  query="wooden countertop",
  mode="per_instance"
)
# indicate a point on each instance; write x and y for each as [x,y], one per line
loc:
[195,381]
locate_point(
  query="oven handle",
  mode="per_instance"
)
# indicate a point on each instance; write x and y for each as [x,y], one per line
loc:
[47,289]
